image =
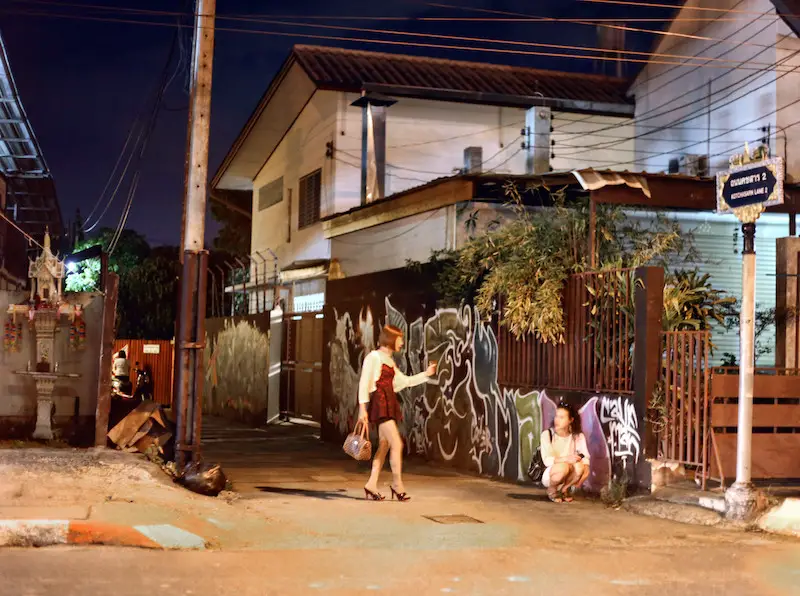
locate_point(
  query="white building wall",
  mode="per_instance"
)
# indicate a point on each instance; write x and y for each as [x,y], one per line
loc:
[578,146]
[425,140]
[714,110]
[300,152]
[391,245]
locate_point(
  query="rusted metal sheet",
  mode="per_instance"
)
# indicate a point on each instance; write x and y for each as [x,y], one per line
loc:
[159,356]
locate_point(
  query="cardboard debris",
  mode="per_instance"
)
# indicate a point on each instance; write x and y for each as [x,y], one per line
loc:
[144,427]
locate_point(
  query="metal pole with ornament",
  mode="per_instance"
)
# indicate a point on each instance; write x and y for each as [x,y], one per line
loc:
[753,183]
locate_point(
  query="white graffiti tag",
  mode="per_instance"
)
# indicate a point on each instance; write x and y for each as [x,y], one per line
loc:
[623,427]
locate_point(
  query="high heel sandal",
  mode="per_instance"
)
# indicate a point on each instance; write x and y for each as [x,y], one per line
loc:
[399,496]
[371,496]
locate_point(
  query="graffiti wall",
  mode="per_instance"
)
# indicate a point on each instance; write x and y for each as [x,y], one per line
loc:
[237,367]
[462,417]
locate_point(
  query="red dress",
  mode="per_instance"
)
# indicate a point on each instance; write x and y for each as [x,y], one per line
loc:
[383,403]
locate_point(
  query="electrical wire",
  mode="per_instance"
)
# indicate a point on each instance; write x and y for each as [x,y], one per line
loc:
[679,6]
[692,116]
[20,230]
[739,143]
[583,22]
[705,61]
[531,19]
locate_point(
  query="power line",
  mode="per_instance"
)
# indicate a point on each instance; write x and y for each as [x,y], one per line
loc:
[20,230]
[680,149]
[692,115]
[686,73]
[584,22]
[528,19]
[678,6]
[706,62]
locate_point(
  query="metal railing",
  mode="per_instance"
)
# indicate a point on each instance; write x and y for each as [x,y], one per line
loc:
[683,413]
[597,352]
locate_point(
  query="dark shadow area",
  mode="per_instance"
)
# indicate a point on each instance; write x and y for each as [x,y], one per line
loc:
[528,497]
[314,494]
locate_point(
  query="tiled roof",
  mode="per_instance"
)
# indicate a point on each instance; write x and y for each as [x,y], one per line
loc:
[352,70]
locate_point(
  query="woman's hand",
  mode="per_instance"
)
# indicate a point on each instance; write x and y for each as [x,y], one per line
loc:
[363,417]
[431,369]
[570,459]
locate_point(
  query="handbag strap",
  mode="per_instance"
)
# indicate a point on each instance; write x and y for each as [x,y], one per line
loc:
[364,430]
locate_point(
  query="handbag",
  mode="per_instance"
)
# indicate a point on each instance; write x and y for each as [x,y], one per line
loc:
[537,467]
[357,444]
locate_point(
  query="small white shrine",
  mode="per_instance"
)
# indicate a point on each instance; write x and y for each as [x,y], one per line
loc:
[44,311]
[47,275]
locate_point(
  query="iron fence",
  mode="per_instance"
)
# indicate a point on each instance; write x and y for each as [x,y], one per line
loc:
[597,349]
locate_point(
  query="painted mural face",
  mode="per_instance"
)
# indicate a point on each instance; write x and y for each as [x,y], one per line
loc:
[465,418]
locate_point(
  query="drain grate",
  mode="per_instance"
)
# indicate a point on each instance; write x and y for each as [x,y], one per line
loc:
[452,519]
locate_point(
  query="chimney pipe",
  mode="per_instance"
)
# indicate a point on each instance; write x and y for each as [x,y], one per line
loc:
[373,145]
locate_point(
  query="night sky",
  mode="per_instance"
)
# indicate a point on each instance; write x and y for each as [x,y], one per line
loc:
[84,82]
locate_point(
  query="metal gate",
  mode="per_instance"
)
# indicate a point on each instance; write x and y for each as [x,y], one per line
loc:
[301,366]
[684,410]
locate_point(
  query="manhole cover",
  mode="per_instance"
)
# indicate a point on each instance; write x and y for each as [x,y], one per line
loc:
[453,519]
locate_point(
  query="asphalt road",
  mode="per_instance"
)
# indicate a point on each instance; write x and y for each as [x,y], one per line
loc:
[320,536]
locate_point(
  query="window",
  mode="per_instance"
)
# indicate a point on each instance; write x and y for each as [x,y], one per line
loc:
[270,194]
[309,199]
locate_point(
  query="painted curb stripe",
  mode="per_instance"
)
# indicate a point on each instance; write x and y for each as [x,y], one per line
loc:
[169,536]
[108,534]
[33,532]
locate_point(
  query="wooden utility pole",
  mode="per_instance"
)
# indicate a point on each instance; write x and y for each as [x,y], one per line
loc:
[190,336]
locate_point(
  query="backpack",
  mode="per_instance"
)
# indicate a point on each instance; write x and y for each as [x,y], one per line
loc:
[537,467]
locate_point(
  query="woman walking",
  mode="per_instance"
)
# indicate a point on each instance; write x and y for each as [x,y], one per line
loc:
[377,403]
[565,455]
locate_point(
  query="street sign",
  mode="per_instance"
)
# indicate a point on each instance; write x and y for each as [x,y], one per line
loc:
[755,183]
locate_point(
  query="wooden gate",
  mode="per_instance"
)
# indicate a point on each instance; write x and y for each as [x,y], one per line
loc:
[159,356]
[776,422]
[301,366]
[683,413]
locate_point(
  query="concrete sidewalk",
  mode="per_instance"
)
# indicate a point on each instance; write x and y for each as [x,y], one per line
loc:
[684,502]
[80,497]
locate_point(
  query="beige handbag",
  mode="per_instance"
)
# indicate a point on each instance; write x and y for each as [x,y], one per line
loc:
[357,444]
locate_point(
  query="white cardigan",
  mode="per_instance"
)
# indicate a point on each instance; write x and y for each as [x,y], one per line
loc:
[371,372]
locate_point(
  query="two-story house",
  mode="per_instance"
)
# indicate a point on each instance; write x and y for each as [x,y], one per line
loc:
[339,129]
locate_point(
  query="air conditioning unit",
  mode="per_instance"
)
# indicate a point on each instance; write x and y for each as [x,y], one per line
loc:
[473,160]
[689,164]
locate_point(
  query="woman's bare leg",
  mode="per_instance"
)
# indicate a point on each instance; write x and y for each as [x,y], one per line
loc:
[558,474]
[377,464]
[577,476]
[389,432]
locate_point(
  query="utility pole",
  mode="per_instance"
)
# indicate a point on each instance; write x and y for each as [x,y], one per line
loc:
[190,336]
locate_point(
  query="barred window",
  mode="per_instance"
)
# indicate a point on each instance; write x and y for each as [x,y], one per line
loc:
[310,195]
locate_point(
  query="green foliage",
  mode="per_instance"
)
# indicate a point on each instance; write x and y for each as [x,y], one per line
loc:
[148,283]
[147,307]
[528,260]
[690,303]
[234,235]
[131,249]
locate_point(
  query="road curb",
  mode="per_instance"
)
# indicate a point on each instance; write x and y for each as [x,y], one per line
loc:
[783,519]
[37,533]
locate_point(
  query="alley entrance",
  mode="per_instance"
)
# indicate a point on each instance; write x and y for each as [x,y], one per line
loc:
[301,366]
